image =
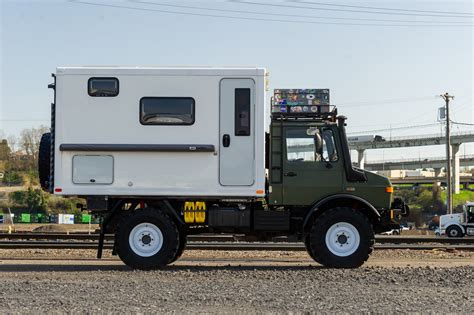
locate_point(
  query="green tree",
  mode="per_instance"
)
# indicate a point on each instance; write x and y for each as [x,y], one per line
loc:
[12,178]
[18,198]
[36,199]
[4,150]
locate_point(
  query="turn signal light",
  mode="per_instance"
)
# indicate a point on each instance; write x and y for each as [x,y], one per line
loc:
[389,189]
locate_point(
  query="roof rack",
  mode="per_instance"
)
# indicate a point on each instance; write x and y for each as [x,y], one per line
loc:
[302,103]
[324,112]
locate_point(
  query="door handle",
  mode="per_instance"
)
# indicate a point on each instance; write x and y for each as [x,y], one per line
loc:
[290,174]
[225,140]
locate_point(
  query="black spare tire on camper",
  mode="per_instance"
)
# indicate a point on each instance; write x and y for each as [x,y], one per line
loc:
[44,160]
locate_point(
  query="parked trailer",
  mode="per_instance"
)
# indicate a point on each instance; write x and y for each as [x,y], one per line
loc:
[163,153]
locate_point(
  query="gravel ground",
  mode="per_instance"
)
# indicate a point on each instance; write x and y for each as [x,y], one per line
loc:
[203,281]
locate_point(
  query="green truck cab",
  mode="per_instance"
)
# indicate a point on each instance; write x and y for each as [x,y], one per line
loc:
[337,206]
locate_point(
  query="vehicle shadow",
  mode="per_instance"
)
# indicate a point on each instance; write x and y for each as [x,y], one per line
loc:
[6,267]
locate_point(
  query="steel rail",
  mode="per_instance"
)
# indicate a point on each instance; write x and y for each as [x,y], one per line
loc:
[380,239]
[227,246]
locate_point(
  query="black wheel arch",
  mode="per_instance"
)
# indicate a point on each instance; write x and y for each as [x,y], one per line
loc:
[340,200]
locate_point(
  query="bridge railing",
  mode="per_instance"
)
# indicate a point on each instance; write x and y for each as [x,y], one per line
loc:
[419,137]
[418,160]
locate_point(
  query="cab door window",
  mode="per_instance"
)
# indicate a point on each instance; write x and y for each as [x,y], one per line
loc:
[301,145]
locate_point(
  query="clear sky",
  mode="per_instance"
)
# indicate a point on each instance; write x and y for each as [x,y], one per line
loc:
[382,74]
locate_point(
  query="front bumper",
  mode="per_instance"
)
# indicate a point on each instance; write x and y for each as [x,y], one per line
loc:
[399,208]
[390,219]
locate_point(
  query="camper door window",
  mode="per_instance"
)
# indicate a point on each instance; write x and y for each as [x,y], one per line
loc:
[103,87]
[167,111]
[242,112]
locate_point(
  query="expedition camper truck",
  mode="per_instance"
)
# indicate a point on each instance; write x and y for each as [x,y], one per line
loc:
[162,153]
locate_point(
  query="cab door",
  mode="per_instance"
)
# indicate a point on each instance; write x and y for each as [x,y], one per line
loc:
[308,175]
[237,134]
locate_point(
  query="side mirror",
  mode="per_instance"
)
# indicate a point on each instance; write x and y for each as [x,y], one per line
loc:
[318,143]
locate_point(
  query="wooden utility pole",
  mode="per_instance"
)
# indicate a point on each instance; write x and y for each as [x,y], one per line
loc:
[449,196]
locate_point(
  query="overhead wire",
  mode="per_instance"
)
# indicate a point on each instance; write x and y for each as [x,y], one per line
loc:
[462,123]
[387,101]
[258,19]
[395,128]
[377,8]
[282,14]
[344,10]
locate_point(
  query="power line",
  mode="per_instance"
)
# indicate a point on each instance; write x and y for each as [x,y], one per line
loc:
[344,10]
[378,8]
[255,19]
[388,101]
[461,123]
[48,120]
[282,14]
[396,128]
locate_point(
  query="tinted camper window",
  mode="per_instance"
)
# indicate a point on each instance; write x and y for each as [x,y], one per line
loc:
[167,111]
[103,87]
[242,112]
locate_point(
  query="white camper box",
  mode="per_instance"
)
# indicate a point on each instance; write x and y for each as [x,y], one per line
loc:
[159,131]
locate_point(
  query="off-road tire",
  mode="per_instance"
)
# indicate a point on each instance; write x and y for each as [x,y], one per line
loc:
[168,228]
[183,240]
[307,245]
[455,230]
[321,253]
[44,160]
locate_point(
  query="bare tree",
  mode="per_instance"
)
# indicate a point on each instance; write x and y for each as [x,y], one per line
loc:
[12,142]
[30,140]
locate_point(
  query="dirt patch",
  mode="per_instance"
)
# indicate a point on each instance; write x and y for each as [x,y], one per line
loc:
[44,228]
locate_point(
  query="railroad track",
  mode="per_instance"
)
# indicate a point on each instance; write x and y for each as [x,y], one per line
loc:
[228,246]
[221,242]
[380,239]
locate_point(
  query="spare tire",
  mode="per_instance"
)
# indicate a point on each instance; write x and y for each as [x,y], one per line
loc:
[44,160]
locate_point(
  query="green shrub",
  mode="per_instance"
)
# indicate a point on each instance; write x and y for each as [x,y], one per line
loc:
[12,178]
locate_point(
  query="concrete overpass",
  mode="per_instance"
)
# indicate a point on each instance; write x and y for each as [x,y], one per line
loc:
[465,180]
[413,141]
[413,164]
[423,140]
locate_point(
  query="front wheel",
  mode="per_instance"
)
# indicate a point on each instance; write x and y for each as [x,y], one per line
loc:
[147,239]
[341,238]
[454,231]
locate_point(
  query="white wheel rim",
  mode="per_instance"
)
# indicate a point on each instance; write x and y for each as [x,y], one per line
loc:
[342,239]
[145,239]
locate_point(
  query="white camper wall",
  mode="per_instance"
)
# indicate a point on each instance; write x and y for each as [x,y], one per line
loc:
[82,119]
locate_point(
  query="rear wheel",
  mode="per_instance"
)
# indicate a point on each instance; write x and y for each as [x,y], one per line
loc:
[147,239]
[341,238]
[454,231]
[182,246]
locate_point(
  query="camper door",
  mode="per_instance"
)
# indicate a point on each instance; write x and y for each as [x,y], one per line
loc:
[237,134]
